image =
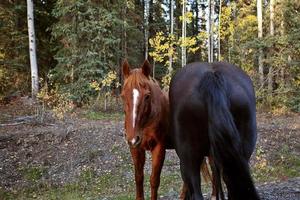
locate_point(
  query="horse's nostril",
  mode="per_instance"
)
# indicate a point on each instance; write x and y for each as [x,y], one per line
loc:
[135,141]
[138,139]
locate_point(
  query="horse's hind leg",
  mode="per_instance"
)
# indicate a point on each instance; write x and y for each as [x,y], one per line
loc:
[158,157]
[138,157]
[189,166]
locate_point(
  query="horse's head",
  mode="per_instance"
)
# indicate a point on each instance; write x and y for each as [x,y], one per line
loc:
[137,98]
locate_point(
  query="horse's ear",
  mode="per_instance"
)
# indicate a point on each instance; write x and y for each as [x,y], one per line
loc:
[146,68]
[125,68]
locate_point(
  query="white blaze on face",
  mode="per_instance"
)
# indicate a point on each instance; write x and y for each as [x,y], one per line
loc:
[133,141]
[135,94]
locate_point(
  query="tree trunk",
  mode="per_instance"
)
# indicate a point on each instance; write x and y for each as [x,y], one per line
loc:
[212,13]
[209,48]
[146,27]
[124,35]
[197,56]
[219,30]
[183,48]
[170,69]
[32,50]
[260,34]
[270,74]
[282,32]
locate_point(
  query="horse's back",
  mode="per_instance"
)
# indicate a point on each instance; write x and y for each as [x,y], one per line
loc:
[190,76]
[187,82]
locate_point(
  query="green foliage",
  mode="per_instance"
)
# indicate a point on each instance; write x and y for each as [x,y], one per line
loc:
[240,45]
[81,42]
[85,31]
[14,53]
[13,48]
[294,102]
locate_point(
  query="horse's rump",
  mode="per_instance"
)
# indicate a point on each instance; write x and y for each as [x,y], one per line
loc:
[206,101]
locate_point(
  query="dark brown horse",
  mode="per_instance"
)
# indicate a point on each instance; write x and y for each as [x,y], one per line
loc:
[146,123]
[213,114]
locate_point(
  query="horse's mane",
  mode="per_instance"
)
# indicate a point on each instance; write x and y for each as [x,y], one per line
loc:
[138,79]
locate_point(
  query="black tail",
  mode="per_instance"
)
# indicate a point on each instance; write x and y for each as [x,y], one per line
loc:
[225,142]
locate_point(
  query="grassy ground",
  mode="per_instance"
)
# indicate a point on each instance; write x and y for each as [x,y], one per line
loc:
[112,186]
[278,162]
[92,115]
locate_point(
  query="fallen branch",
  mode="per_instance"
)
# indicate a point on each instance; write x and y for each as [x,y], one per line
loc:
[13,124]
[24,122]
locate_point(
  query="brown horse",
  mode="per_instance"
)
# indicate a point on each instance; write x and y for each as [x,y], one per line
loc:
[146,123]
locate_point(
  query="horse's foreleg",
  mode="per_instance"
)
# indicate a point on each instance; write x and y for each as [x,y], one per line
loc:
[138,157]
[158,157]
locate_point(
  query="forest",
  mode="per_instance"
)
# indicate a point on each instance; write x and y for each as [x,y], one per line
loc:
[61,115]
[80,45]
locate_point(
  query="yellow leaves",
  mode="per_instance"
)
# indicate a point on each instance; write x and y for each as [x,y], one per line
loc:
[227,24]
[249,20]
[59,102]
[166,81]
[130,4]
[95,85]
[190,43]
[163,47]
[297,80]
[108,81]
[2,56]
[188,17]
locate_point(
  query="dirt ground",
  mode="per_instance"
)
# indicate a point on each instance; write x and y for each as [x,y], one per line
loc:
[36,154]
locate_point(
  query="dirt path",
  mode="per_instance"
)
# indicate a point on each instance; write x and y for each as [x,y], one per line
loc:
[37,157]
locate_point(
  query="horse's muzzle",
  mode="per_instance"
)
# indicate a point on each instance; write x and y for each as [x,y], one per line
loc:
[135,141]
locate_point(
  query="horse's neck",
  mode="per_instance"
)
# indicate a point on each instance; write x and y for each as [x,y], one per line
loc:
[160,97]
[162,107]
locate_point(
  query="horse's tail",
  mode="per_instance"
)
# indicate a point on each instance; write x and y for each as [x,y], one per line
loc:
[225,142]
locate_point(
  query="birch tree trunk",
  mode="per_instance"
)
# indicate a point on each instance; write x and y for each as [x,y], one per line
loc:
[219,31]
[170,69]
[209,29]
[212,13]
[32,50]
[282,33]
[260,34]
[183,48]
[146,17]
[270,74]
